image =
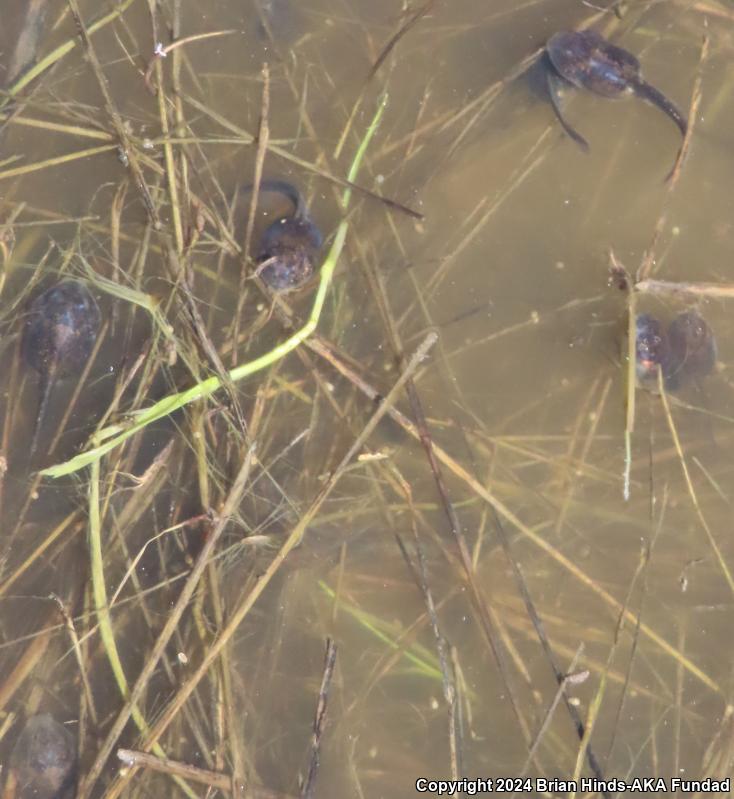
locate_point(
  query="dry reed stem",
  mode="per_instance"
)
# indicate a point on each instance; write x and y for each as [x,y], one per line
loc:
[530,163]
[718,759]
[319,721]
[263,138]
[228,509]
[70,521]
[28,661]
[79,155]
[79,656]
[648,265]
[117,122]
[668,288]
[691,490]
[246,604]
[565,682]
[206,426]
[711,8]
[222,782]
[572,470]
[413,19]
[314,168]
[319,346]
[448,681]
[597,701]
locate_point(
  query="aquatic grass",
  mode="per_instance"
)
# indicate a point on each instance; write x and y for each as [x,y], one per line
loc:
[107,634]
[33,655]
[63,49]
[48,163]
[243,137]
[113,437]
[263,136]
[720,559]
[478,488]
[551,482]
[116,434]
[150,304]
[58,127]
[101,605]
[649,266]
[421,659]
[251,596]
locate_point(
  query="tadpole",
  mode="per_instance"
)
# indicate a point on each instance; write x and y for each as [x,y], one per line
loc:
[43,762]
[289,246]
[59,335]
[693,347]
[585,59]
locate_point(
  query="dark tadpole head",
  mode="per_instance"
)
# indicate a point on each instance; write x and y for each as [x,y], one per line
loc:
[59,335]
[651,350]
[44,761]
[288,255]
[588,61]
[60,329]
[692,347]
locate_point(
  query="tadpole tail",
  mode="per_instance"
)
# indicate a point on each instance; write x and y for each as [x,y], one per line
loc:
[27,42]
[46,387]
[288,190]
[652,95]
[553,91]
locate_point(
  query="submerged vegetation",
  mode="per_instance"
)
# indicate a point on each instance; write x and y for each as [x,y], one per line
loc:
[358,492]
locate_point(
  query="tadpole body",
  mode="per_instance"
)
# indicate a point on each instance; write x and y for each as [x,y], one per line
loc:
[685,352]
[652,351]
[58,337]
[289,247]
[43,762]
[693,348]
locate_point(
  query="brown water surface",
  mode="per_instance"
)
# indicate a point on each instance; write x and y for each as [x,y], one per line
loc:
[524,393]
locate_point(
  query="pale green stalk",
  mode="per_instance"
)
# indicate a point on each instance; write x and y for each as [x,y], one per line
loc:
[425,663]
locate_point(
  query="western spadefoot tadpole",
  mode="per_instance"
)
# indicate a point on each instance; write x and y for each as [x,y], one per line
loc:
[585,59]
[289,247]
[58,337]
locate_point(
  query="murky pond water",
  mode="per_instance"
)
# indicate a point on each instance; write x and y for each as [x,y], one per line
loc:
[205,559]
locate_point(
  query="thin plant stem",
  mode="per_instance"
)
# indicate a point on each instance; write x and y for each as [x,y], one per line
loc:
[101,606]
